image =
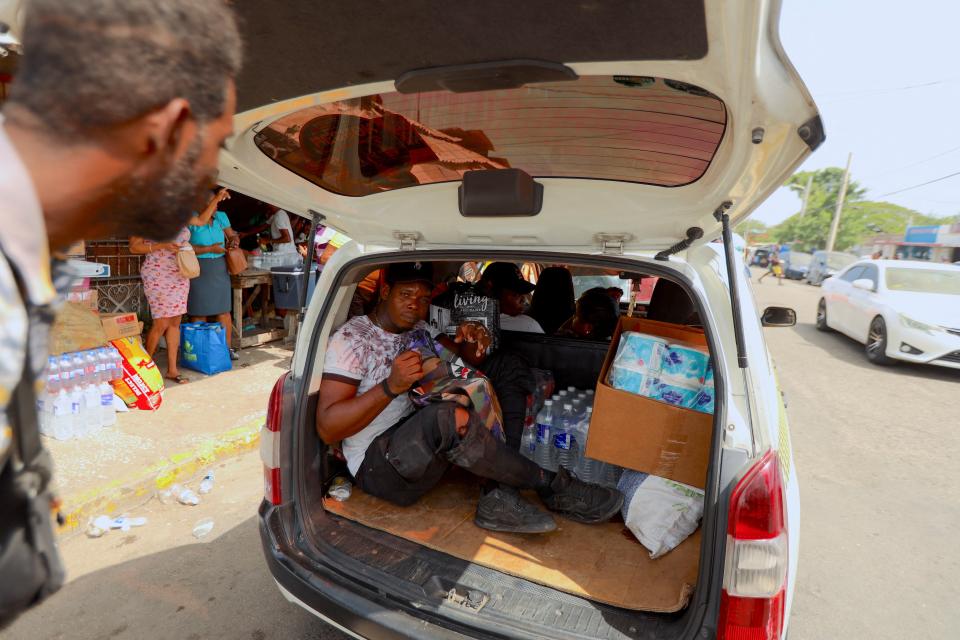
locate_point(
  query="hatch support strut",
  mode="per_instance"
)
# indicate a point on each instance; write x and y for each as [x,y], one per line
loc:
[316,219]
[724,219]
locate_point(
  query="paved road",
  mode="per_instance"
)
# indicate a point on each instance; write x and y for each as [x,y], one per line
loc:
[876,449]
[159,582]
[877,453]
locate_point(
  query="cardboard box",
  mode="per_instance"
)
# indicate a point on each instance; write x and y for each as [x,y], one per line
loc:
[77,250]
[121,325]
[647,435]
[89,298]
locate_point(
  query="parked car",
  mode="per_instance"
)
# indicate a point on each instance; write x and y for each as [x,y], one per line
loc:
[424,164]
[761,257]
[899,309]
[826,264]
[796,264]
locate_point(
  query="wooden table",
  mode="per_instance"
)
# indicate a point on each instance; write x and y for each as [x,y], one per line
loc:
[252,279]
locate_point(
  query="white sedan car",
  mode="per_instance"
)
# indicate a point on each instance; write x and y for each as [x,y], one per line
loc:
[900,310]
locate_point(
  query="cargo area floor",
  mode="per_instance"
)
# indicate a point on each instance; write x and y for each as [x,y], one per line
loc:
[603,562]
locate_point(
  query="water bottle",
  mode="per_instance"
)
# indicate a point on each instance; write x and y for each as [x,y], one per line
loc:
[587,469]
[206,485]
[185,495]
[51,380]
[563,436]
[611,476]
[578,440]
[572,390]
[528,441]
[74,363]
[91,394]
[578,407]
[108,415]
[64,419]
[543,454]
[117,363]
[589,393]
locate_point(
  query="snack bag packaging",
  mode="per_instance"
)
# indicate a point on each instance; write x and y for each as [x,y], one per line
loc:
[142,383]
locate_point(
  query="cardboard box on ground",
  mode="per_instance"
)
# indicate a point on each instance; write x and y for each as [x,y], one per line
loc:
[640,433]
[121,325]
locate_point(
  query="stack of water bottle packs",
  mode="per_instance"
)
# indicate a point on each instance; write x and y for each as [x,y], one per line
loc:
[672,372]
[78,398]
[558,437]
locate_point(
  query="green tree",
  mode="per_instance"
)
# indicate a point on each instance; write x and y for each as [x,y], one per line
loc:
[811,230]
[752,230]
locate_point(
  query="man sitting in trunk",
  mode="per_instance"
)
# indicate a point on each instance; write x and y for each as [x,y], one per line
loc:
[399,454]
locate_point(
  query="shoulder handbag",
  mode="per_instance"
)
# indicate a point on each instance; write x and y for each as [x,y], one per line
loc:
[187,262]
[236,261]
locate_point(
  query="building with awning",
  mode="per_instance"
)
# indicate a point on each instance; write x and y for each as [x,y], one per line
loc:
[935,243]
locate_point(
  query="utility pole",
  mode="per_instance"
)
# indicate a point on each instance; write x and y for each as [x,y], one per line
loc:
[806,196]
[835,225]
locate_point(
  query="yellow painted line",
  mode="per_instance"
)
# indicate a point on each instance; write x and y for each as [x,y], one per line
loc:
[107,498]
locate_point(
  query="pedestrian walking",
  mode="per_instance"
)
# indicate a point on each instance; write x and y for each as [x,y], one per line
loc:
[775,268]
[112,127]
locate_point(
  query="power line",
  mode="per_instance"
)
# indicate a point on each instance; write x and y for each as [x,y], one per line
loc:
[876,90]
[922,184]
[912,164]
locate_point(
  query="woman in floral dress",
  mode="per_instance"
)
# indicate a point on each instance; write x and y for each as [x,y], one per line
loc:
[167,292]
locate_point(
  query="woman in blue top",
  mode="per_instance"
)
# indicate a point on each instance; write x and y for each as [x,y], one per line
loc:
[210,292]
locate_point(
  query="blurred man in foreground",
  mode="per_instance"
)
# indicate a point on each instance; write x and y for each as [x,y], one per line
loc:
[112,129]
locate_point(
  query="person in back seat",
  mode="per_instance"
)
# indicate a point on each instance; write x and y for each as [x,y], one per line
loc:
[553,300]
[595,317]
[503,281]
[398,454]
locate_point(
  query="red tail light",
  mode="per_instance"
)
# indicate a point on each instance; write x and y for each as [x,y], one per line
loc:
[270,443]
[275,405]
[751,607]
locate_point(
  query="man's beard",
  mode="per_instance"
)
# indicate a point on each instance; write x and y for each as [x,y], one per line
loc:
[158,207]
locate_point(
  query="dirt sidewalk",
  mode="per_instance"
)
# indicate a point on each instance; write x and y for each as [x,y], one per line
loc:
[198,423]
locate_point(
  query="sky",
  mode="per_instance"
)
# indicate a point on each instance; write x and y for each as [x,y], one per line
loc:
[886,78]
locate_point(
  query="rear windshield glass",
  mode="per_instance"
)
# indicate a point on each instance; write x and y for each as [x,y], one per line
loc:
[628,128]
[839,260]
[924,280]
[799,259]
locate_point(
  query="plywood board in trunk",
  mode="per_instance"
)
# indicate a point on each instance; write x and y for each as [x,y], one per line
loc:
[603,562]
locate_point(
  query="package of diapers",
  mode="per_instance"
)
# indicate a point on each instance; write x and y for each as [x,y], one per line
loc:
[636,365]
[705,398]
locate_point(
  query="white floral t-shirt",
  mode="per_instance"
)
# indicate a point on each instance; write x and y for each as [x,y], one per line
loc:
[362,353]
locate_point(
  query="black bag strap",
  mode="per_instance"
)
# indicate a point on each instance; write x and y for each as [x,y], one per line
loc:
[22,409]
[23,414]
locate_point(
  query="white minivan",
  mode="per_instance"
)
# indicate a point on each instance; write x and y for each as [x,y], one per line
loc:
[615,138]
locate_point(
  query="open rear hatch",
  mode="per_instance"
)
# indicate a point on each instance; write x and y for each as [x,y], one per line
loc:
[638,119]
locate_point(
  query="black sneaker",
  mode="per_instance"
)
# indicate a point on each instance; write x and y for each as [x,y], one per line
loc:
[503,509]
[579,501]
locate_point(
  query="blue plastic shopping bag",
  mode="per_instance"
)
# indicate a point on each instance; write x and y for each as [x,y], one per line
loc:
[203,347]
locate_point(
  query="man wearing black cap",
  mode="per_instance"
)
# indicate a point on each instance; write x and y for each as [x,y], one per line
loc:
[503,281]
[399,454]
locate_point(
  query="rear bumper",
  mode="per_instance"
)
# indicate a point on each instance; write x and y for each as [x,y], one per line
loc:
[324,594]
